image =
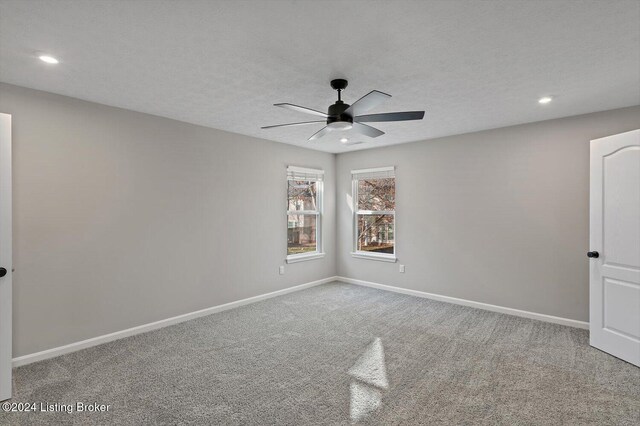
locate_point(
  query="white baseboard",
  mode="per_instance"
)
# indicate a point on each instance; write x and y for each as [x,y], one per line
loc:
[471,303]
[94,341]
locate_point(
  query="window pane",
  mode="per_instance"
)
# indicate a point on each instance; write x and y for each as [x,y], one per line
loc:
[377,194]
[375,233]
[302,195]
[301,233]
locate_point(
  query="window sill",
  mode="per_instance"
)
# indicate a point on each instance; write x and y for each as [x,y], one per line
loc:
[379,257]
[304,257]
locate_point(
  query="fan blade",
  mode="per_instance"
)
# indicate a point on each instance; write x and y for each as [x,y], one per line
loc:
[390,116]
[320,133]
[363,129]
[293,124]
[302,109]
[367,102]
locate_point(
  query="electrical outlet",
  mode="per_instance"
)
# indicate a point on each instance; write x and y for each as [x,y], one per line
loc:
[402,269]
[282,270]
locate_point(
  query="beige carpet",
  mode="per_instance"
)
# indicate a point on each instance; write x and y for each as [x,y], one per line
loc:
[340,354]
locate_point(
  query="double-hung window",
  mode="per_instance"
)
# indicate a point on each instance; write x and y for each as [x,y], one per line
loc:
[374,199]
[304,214]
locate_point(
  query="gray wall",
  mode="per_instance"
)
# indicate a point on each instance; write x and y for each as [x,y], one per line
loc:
[499,216]
[122,218]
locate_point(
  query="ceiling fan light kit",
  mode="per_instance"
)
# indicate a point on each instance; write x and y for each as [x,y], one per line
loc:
[341,116]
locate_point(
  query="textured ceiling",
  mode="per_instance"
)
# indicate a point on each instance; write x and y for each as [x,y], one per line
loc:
[471,65]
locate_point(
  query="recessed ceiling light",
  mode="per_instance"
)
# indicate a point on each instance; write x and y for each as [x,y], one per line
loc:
[48,59]
[344,140]
[545,100]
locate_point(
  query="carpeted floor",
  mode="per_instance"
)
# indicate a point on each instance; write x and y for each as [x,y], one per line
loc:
[340,354]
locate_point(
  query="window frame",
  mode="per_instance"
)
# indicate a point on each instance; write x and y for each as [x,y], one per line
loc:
[317,176]
[362,254]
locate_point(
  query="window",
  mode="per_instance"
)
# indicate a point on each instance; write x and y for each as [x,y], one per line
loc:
[374,199]
[304,214]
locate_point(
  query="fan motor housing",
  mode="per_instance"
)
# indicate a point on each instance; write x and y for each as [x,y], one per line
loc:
[337,119]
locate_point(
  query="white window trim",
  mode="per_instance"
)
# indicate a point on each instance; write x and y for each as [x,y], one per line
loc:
[382,257]
[360,254]
[319,253]
[295,258]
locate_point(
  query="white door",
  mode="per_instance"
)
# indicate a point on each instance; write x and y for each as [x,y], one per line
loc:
[615,246]
[5,256]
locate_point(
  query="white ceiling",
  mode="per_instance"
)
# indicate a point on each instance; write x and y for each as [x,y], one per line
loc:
[471,65]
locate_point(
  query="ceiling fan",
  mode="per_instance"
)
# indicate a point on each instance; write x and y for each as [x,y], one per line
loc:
[341,116]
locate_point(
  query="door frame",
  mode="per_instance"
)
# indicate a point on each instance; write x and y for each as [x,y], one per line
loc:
[5,257]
